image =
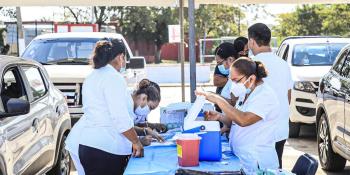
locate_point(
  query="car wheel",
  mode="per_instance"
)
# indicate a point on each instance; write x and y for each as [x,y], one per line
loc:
[63,165]
[329,160]
[294,129]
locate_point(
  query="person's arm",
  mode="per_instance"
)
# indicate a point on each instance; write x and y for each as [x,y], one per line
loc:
[219,80]
[289,95]
[240,118]
[137,148]
[213,115]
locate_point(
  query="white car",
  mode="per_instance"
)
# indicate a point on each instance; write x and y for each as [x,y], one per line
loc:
[310,58]
[66,57]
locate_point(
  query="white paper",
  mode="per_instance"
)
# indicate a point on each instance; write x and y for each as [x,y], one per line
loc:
[195,109]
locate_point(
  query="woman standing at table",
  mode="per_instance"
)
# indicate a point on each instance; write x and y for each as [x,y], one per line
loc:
[104,138]
[253,119]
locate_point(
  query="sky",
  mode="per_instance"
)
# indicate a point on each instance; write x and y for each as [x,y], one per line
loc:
[56,13]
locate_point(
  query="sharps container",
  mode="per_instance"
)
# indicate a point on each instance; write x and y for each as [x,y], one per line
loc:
[188,149]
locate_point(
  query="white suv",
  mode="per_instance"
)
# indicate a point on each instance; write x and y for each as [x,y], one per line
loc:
[310,58]
[66,58]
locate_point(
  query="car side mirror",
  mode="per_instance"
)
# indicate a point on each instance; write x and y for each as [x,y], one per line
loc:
[136,63]
[17,106]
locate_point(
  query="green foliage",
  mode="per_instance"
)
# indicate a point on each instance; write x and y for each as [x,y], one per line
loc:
[315,20]
[217,20]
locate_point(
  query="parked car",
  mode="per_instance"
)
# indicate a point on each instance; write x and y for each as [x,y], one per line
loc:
[310,58]
[333,114]
[34,121]
[66,57]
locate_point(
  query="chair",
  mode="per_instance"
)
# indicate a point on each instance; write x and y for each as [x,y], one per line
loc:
[305,165]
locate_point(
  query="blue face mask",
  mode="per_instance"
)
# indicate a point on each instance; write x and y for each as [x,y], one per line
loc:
[122,70]
[223,70]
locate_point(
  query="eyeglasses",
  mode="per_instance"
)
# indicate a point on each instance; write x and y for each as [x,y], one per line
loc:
[239,79]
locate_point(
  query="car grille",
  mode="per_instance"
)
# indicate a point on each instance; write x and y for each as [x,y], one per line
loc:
[72,92]
[315,85]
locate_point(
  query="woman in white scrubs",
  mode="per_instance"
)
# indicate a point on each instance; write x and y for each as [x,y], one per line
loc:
[146,98]
[104,138]
[253,118]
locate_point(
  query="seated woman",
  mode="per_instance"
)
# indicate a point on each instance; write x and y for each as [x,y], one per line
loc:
[254,117]
[146,98]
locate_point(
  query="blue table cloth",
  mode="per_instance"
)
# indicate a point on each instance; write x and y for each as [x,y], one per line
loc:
[162,160]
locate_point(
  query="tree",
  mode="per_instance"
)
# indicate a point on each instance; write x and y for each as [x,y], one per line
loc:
[315,20]
[101,15]
[137,25]
[217,20]
[335,19]
[162,17]
[8,12]
[79,14]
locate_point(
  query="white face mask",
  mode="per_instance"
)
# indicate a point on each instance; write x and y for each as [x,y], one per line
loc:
[239,90]
[142,111]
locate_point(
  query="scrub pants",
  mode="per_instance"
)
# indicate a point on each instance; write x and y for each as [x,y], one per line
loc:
[98,162]
[279,149]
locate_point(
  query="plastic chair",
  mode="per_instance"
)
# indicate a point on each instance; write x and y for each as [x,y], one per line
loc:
[305,165]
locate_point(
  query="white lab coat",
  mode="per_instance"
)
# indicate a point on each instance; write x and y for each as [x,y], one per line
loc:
[255,144]
[106,104]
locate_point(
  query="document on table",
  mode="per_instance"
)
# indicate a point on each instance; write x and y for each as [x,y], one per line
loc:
[195,109]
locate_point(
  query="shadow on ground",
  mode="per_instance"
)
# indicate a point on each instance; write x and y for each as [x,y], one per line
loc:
[307,143]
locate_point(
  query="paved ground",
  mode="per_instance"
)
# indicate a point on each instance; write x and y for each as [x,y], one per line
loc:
[294,147]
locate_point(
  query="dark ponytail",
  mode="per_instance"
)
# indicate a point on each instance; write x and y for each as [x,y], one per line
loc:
[150,88]
[247,67]
[261,71]
[106,50]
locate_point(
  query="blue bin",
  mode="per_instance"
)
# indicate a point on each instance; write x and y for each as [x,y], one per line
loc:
[210,145]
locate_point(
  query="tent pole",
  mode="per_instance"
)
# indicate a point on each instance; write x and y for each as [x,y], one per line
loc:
[192,48]
[182,55]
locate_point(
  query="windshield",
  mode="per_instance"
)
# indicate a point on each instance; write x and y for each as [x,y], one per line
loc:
[322,54]
[59,50]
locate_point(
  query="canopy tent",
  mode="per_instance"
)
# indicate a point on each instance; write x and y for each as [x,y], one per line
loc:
[166,3]
[154,2]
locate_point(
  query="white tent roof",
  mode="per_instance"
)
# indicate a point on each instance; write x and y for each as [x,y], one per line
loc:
[152,2]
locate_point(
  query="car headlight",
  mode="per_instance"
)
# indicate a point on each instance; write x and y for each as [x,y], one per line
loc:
[304,86]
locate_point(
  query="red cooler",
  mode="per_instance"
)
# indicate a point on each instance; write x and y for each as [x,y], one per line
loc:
[188,149]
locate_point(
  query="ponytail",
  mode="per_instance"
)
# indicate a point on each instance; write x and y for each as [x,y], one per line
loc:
[247,67]
[150,88]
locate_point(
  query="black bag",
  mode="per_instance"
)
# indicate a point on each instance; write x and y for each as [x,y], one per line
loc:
[305,165]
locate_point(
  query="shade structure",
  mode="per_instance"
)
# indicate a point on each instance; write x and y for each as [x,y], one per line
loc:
[154,2]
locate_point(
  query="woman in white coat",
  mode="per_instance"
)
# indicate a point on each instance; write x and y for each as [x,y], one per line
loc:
[254,117]
[104,138]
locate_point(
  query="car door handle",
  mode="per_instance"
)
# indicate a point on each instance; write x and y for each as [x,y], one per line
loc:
[35,125]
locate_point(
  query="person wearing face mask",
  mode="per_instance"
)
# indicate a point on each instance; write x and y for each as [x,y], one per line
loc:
[241,46]
[146,98]
[280,79]
[253,118]
[225,54]
[102,141]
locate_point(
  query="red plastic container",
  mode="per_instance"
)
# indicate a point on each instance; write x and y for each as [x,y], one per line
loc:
[188,150]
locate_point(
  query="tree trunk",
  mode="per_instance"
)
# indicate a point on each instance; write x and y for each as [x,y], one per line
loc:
[158,52]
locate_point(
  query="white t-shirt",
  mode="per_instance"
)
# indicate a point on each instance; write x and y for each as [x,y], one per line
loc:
[106,105]
[280,80]
[226,90]
[255,144]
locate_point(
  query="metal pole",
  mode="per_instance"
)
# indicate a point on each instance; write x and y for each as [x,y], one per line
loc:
[182,53]
[192,48]
[20,41]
